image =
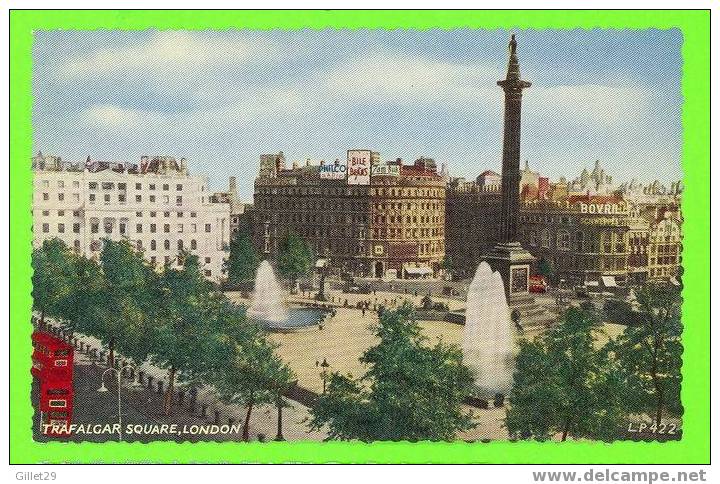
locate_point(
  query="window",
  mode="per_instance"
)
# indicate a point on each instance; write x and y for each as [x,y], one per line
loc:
[138,198]
[166,187]
[61,184]
[108,226]
[152,198]
[61,196]
[77,245]
[166,214]
[545,238]
[76,213]
[153,228]
[138,228]
[46,213]
[92,185]
[45,183]
[166,228]
[193,244]
[166,199]
[193,228]
[121,198]
[76,228]
[138,186]
[208,272]
[207,227]
[108,185]
[76,184]
[178,187]
[94,227]
[153,259]
[46,196]
[563,240]
[46,228]
[61,213]
[152,186]
[139,245]
[179,215]
[207,260]
[92,198]
[152,214]
[167,245]
[138,214]
[180,228]
[193,214]
[107,198]
[178,200]
[122,186]
[153,246]
[76,197]
[180,245]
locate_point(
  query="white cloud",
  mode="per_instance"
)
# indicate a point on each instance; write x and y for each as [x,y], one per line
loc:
[169,53]
[412,79]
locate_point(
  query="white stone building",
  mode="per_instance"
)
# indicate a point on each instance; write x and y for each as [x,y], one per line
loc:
[161,212]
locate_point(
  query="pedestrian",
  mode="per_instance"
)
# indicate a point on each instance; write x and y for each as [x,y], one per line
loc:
[363,311]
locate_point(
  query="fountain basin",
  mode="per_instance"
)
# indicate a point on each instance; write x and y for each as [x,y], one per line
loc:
[297,319]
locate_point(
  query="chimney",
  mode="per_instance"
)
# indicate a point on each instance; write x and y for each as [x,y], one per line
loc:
[233,185]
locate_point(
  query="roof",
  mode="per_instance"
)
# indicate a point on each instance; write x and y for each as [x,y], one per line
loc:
[489,173]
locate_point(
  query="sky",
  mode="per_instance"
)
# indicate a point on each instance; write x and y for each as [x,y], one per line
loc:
[220,99]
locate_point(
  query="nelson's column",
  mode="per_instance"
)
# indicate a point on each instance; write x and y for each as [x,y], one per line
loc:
[508,256]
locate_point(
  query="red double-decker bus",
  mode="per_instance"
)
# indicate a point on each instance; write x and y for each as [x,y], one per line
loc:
[52,365]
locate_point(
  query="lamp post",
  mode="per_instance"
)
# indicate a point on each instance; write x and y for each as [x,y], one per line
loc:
[324,373]
[103,389]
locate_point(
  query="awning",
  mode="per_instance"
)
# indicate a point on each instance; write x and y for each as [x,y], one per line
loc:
[609,281]
[592,283]
[420,271]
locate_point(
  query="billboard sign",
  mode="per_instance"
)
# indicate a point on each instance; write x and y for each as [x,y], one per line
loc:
[386,170]
[358,167]
[334,171]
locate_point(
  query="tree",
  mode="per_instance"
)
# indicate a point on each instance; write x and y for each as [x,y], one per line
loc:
[243,260]
[563,385]
[52,278]
[295,258]
[649,353]
[123,304]
[411,391]
[188,324]
[246,378]
[545,269]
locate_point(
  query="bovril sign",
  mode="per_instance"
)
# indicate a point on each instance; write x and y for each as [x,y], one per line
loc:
[603,208]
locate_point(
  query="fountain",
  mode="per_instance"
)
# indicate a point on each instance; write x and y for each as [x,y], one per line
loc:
[268,306]
[488,333]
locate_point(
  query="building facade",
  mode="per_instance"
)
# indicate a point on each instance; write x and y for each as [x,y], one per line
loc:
[630,236]
[162,211]
[390,227]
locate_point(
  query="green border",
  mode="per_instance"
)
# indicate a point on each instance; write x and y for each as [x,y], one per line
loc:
[695,445]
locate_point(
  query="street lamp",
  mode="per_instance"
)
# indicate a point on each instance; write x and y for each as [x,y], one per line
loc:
[104,389]
[324,373]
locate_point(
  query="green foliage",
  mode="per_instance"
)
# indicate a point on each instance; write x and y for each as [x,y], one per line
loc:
[411,391]
[52,278]
[295,257]
[122,319]
[649,353]
[243,260]
[545,268]
[562,385]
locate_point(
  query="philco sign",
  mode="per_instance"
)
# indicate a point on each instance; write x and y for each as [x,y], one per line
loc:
[333,171]
[358,167]
[603,208]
